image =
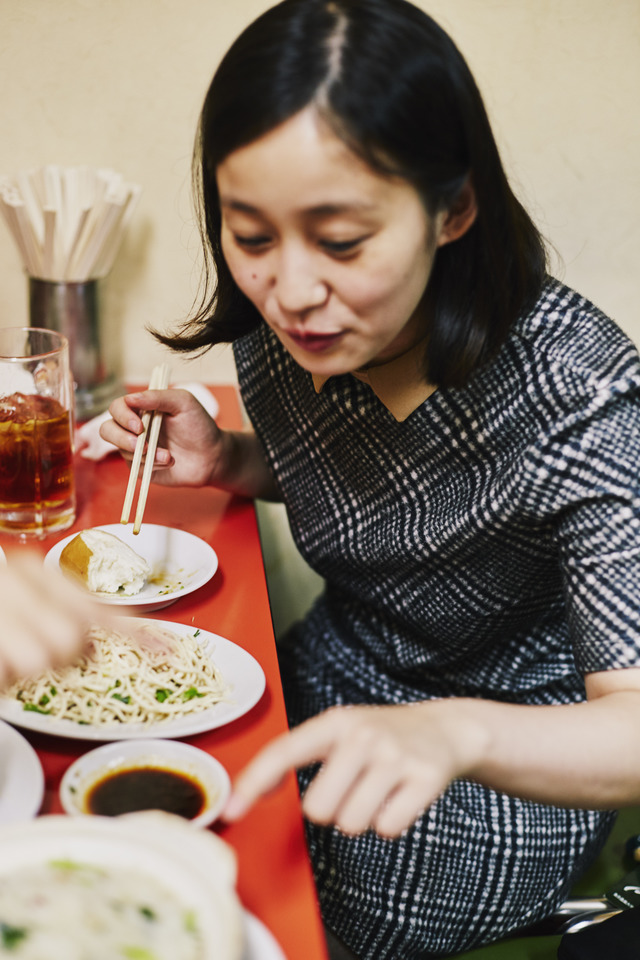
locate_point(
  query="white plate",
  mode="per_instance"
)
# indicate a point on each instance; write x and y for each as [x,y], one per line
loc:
[180,563]
[260,944]
[21,777]
[3,556]
[196,866]
[172,755]
[241,671]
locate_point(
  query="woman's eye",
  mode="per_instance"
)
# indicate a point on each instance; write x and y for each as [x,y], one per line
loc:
[337,247]
[251,243]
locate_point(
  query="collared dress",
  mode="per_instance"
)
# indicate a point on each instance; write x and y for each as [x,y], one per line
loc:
[486,546]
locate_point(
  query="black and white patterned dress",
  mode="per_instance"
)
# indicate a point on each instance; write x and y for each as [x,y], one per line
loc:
[488,546]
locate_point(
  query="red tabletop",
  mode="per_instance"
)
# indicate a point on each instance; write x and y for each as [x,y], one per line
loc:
[275,881]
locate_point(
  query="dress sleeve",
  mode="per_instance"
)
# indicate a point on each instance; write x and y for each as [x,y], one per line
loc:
[586,482]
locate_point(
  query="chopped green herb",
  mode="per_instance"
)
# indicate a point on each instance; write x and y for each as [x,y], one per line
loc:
[190,921]
[10,936]
[147,913]
[44,700]
[191,693]
[161,695]
[138,953]
[118,696]
[34,708]
[197,633]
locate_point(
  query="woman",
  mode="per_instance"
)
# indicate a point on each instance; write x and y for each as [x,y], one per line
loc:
[455,437]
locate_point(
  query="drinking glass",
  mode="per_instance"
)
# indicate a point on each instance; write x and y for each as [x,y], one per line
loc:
[37,487]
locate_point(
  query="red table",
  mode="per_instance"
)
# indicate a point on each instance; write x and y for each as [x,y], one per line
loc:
[275,881]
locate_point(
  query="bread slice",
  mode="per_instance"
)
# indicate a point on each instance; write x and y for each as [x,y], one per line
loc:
[103,563]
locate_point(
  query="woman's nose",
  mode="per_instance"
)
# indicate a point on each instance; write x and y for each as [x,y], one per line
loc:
[298,285]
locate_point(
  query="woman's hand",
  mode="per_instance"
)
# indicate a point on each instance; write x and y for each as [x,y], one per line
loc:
[381,766]
[43,618]
[192,451]
[190,444]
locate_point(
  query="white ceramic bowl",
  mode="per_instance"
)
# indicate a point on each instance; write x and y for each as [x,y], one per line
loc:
[169,755]
[196,866]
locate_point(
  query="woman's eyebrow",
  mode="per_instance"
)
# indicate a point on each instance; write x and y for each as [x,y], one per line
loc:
[319,210]
[230,204]
[335,209]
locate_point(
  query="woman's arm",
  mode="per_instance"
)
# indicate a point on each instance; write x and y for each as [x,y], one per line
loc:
[382,766]
[580,755]
[192,450]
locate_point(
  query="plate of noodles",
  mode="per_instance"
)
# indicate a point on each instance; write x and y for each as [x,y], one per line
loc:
[147,678]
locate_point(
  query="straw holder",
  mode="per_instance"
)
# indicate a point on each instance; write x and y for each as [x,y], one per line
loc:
[73,309]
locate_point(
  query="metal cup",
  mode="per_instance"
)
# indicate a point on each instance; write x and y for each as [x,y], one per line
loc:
[72,309]
[37,483]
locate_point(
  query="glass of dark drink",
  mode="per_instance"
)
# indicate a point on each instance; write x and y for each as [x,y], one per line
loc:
[37,488]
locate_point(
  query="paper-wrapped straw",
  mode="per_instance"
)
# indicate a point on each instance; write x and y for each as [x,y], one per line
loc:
[67,222]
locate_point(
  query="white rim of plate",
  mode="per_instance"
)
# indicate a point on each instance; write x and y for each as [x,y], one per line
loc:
[21,777]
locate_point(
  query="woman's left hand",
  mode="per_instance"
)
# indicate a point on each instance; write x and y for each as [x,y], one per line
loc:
[381,766]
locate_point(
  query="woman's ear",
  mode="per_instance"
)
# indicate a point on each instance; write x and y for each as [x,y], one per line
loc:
[460,216]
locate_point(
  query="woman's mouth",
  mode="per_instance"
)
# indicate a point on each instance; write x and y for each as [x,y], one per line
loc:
[314,342]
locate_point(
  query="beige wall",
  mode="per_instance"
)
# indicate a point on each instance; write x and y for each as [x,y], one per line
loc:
[119,83]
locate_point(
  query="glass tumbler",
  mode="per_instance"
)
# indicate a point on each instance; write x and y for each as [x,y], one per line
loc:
[37,486]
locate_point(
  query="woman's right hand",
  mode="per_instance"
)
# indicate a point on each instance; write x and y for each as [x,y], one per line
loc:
[192,451]
[191,448]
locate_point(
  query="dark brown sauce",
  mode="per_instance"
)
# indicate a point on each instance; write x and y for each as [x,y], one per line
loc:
[146,788]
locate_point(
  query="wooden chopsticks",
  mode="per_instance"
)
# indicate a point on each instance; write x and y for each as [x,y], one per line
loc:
[151,421]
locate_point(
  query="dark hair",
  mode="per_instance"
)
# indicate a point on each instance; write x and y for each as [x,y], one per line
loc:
[392,85]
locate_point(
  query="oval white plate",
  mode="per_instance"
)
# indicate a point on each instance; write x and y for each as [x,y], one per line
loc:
[21,777]
[166,754]
[180,563]
[241,671]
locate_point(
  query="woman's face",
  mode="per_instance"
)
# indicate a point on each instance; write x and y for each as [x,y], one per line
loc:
[333,255]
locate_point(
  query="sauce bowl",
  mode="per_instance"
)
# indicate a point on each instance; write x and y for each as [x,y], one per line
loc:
[134,775]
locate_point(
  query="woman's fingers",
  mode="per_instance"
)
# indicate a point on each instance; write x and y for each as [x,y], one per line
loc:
[327,798]
[404,806]
[305,744]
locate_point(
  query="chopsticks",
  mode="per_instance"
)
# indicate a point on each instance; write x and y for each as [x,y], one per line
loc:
[151,422]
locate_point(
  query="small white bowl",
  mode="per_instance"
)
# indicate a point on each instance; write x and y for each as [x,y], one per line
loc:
[167,755]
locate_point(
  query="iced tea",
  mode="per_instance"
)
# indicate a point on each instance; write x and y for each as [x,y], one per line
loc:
[37,492]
